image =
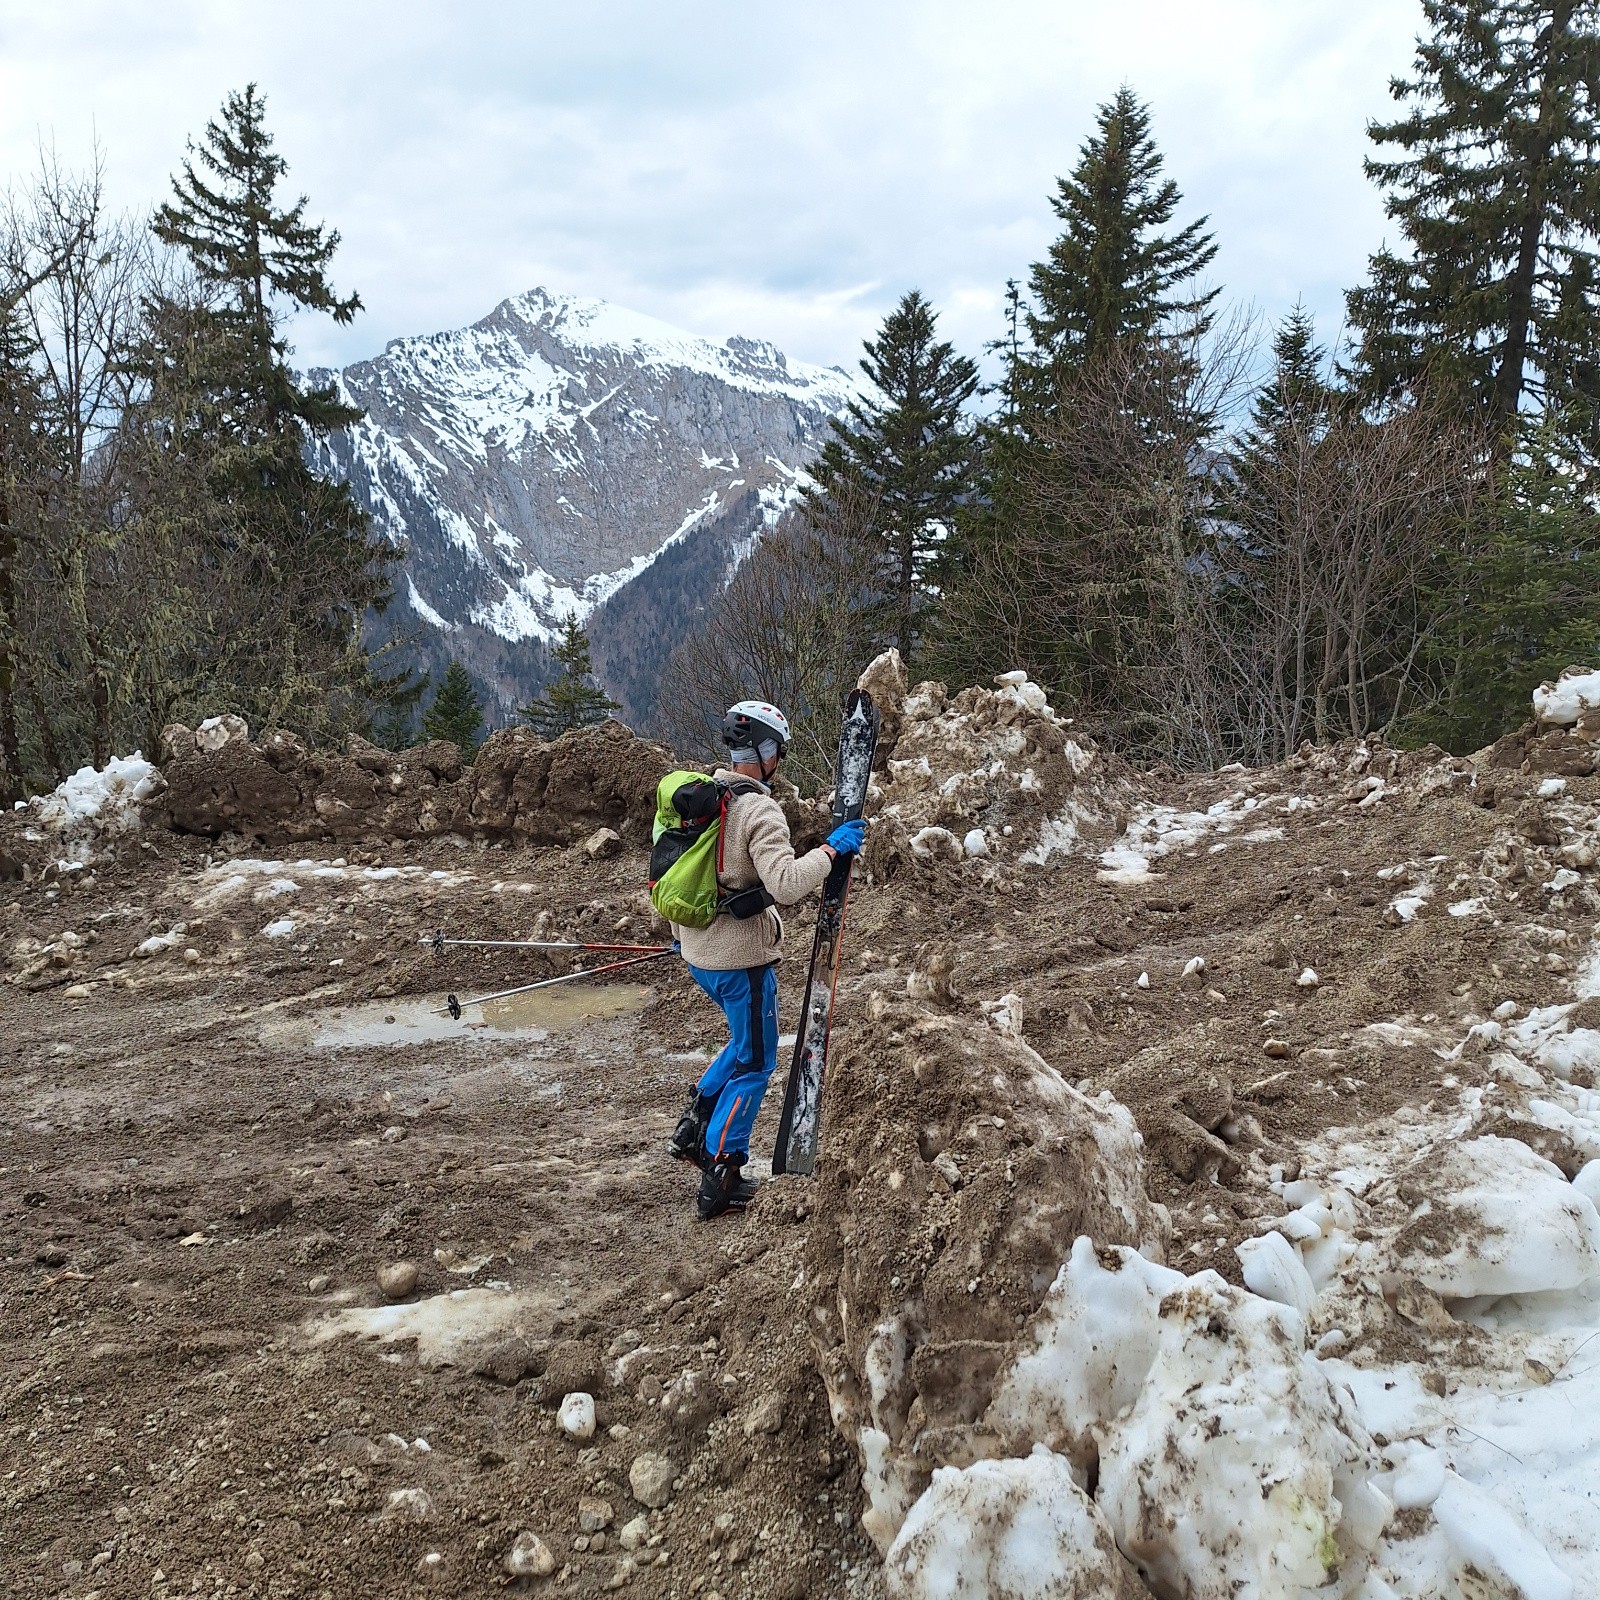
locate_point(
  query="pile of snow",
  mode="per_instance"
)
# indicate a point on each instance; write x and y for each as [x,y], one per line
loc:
[959,1161]
[992,775]
[1572,701]
[1221,1459]
[1449,1270]
[1045,1536]
[92,806]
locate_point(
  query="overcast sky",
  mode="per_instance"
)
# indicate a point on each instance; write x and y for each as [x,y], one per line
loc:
[783,171]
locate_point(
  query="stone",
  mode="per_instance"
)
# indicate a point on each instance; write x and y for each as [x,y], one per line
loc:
[766,1416]
[594,1514]
[398,1279]
[1278,1049]
[576,1415]
[430,1568]
[530,1557]
[409,1505]
[317,1284]
[602,844]
[634,1533]
[650,1478]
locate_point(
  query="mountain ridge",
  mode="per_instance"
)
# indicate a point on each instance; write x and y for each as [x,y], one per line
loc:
[541,461]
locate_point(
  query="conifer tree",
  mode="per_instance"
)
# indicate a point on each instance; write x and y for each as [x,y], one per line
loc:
[906,456]
[1297,388]
[573,700]
[1496,190]
[1115,274]
[223,397]
[456,713]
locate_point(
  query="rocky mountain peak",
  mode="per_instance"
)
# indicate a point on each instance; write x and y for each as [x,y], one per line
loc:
[540,461]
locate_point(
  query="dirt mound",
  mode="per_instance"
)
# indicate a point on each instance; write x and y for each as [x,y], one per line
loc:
[960,1166]
[519,787]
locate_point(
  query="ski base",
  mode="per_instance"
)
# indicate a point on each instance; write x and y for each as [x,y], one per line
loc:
[800,1125]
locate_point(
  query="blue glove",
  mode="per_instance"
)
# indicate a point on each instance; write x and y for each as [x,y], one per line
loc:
[846,838]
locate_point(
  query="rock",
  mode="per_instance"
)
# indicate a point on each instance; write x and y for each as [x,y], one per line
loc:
[409,1505]
[215,732]
[395,1133]
[650,1477]
[530,1557]
[766,1416]
[603,844]
[1307,979]
[634,1533]
[430,1568]
[1278,1049]
[576,1416]
[691,1400]
[594,1514]
[1194,973]
[317,1284]
[398,1279]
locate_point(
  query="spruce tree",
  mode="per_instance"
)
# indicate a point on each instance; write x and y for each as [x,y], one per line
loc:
[456,713]
[1114,274]
[573,700]
[904,456]
[1296,390]
[1496,190]
[224,398]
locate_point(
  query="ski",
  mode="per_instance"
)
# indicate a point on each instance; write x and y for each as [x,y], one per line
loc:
[801,1122]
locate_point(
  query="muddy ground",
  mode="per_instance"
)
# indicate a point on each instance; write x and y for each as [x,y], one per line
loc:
[206,1159]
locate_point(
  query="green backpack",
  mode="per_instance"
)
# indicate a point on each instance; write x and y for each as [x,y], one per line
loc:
[686,846]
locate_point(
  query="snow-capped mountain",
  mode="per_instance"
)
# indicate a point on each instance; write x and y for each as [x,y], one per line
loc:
[562,450]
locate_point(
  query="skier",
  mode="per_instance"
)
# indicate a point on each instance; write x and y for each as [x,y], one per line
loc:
[735,959]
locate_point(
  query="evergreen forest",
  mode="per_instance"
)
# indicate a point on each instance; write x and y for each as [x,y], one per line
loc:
[1211,540]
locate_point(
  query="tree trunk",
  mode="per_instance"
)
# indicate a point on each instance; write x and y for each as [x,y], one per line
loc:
[1508,383]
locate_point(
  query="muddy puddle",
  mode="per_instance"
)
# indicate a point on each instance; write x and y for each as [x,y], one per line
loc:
[385,1023]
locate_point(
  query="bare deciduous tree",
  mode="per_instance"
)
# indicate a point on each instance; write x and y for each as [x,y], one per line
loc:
[788,629]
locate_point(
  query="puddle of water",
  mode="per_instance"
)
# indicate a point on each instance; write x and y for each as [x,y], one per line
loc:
[443,1325]
[564,1006]
[532,1016]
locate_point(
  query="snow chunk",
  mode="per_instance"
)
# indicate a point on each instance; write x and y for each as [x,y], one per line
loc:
[1273,1269]
[280,929]
[1004,1530]
[1483,1533]
[1094,1339]
[1497,1219]
[1240,1471]
[91,805]
[215,732]
[1567,700]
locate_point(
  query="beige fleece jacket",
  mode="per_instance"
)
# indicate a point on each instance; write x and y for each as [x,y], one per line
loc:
[756,848]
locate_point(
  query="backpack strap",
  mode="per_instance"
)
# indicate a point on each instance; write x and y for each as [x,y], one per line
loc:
[730,793]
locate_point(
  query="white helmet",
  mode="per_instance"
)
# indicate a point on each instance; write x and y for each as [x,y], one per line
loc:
[751,725]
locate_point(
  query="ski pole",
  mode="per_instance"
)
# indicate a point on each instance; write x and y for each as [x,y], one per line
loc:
[438,942]
[454,1005]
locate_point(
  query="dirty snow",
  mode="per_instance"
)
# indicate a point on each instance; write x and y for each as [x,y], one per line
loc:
[93,804]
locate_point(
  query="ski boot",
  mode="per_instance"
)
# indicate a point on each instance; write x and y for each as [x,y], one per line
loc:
[688,1141]
[723,1187]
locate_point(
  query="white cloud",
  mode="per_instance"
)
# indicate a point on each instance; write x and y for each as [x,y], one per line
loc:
[780,171]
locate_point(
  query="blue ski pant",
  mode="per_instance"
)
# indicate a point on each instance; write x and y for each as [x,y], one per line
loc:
[738,1077]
